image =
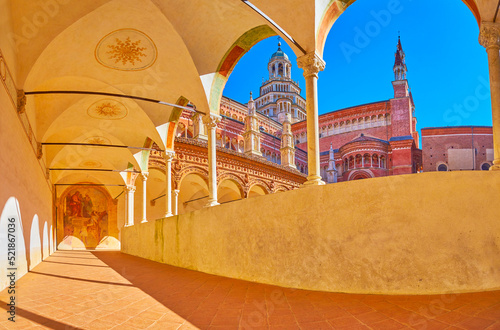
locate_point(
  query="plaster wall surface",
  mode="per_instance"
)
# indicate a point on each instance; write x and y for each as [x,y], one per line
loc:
[23,179]
[410,234]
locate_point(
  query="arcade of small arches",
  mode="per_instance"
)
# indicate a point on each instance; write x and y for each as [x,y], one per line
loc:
[364,161]
[348,125]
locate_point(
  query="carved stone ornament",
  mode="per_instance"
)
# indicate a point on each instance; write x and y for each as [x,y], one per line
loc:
[169,155]
[21,101]
[311,63]
[489,36]
[211,120]
[145,175]
[129,188]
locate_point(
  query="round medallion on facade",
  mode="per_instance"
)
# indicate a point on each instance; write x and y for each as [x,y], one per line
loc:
[107,109]
[126,49]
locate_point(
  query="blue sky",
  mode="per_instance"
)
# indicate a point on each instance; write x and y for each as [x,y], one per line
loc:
[447,68]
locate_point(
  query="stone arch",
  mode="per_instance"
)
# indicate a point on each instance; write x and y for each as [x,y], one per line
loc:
[202,172]
[334,9]
[229,189]
[193,190]
[35,243]
[257,190]
[242,45]
[11,214]
[360,174]
[261,183]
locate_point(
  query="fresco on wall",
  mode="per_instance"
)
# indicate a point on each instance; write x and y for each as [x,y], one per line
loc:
[87,219]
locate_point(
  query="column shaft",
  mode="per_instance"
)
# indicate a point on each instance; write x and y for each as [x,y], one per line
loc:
[312,64]
[489,37]
[130,189]
[211,121]
[169,155]
[144,196]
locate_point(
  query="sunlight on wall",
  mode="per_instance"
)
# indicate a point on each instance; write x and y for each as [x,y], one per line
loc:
[10,211]
[45,241]
[35,244]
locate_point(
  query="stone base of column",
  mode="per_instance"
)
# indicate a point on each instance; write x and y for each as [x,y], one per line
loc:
[211,203]
[144,220]
[314,181]
[168,215]
[127,225]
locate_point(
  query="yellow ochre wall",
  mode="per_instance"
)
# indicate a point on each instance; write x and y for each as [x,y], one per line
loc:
[411,234]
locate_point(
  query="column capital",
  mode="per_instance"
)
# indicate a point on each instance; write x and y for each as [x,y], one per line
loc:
[176,192]
[129,188]
[144,175]
[311,63]
[489,35]
[169,155]
[211,120]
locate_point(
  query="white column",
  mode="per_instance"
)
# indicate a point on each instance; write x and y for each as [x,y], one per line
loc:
[129,190]
[210,122]
[489,37]
[311,63]
[176,201]
[144,196]
[169,155]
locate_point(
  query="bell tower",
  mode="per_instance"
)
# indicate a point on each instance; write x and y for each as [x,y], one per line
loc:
[280,95]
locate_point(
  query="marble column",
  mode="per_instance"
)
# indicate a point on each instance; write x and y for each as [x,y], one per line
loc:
[176,201]
[210,122]
[144,195]
[312,64]
[169,155]
[129,190]
[489,37]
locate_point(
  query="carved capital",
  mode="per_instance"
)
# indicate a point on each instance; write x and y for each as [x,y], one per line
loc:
[176,192]
[169,155]
[311,63]
[489,36]
[21,101]
[129,189]
[211,120]
[144,176]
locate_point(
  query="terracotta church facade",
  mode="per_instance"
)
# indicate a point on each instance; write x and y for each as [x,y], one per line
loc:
[365,141]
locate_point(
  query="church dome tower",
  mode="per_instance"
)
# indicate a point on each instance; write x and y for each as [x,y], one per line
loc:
[280,95]
[279,65]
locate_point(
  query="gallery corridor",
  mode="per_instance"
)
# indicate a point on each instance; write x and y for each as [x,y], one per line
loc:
[104,290]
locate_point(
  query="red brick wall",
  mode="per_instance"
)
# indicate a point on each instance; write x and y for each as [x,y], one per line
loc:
[437,141]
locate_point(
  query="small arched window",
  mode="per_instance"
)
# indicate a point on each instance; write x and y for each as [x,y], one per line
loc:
[443,168]
[485,166]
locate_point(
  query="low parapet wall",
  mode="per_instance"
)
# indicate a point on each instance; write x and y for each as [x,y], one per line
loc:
[412,234]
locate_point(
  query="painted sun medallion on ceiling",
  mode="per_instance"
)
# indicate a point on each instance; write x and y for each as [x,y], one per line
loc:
[97,140]
[107,109]
[90,164]
[126,49]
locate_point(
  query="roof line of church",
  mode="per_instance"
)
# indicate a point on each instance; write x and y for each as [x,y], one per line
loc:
[352,107]
[462,126]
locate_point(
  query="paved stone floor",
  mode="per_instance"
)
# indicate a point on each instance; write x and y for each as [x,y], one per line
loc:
[103,290]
